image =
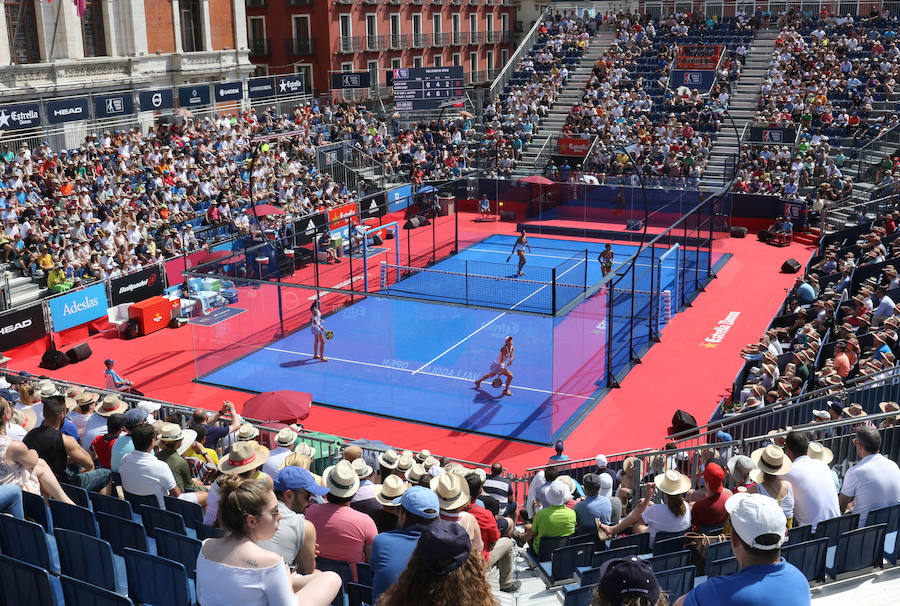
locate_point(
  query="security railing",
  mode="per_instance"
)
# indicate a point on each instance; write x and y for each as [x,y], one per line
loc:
[259,48]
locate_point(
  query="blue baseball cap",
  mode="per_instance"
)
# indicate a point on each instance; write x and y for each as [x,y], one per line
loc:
[421,502]
[297,478]
[109,361]
[134,417]
[443,547]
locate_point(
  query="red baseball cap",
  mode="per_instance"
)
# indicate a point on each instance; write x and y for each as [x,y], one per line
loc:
[714,475]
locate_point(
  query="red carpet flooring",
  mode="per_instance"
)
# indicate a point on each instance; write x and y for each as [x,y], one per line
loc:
[679,372]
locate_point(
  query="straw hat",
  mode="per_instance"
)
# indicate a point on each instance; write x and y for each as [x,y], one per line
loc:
[73,391]
[569,482]
[111,405]
[307,450]
[388,459]
[770,459]
[889,407]
[452,491]
[393,487]
[86,397]
[24,417]
[286,437]
[48,390]
[819,452]
[362,469]
[244,456]
[172,432]
[629,464]
[430,462]
[672,482]
[247,432]
[405,463]
[416,472]
[423,454]
[854,410]
[341,479]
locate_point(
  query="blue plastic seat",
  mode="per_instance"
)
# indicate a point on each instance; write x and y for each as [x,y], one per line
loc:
[23,583]
[808,557]
[36,510]
[564,561]
[122,533]
[191,513]
[832,530]
[78,495]
[358,595]
[154,517]
[641,540]
[550,544]
[364,573]
[137,500]
[890,517]
[113,506]
[676,582]
[343,570]
[717,551]
[156,580]
[798,534]
[73,517]
[858,549]
[27,542]
[85,594]
[670,561]
[722,567]
[578,595]
[179,548]
[610,554]
[90,559]
[670,545]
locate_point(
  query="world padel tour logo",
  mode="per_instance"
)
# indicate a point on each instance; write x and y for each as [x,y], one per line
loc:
[719,332]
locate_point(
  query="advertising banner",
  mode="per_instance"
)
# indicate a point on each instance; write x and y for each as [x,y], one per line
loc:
[570,146]
[192,96]
[77,307]
[308,227]
[374,207]
[21,326]
[110,106]
[258,88]
[21,115]
[290,85]
[137,286]
[398,198]
[351,80]
[698,56]
[152,100]
[771,136]
[68,110]
[229,91]
[702,80]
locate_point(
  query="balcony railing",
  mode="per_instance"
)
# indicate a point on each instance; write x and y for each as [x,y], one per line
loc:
[494,37]
[441,39]
[421,40]
[459,38]
[508,37]
[299,2]
[376,43]
[478,76]
[301,46]
[259,48]
[349,44]
[256,3]
[398,41]
[476,37]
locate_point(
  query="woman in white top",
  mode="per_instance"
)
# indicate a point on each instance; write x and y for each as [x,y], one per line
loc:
[234,570]
[772,463]
[674,515]
[318,331]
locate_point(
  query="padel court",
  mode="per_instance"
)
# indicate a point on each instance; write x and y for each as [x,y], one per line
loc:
[416,356]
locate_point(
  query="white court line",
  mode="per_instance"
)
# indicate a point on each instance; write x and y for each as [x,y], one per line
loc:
[590,260]
[458,343]
[433,374]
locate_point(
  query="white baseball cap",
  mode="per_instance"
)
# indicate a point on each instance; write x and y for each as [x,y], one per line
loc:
[606,485]
[601,460]
[753,516]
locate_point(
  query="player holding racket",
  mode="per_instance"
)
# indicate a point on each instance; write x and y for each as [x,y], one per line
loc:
[318,331]
[519,249]
[606,259]
[500,368]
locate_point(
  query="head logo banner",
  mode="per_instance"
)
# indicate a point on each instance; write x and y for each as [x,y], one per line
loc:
[22,115]
[21,326]
[259,88]
[77,307]
[137,286]
[229,91]
[192,96]
[153,100]
[110,106]
[60,111]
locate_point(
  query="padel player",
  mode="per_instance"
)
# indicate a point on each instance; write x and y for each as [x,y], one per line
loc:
[500,366]
[519,249]
[318,331]
[606,259]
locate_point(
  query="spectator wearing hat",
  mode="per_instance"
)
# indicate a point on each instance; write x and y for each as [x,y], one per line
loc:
[102,445]
[874,481]
[174,441]
[444,569]
[627,582]
[352,452]
[344,533]
[739,468]
[709,510]
[498,551]
[234,569]
[391,550]
[392,489]
[603,467]
[815,498]
[284,445]
[245,459]
[771,465]
[674,515]
[123,444]
[60,450]
[453,496]
[555,519]
[823,453]
[495,485]
[93,424]
[889,407]
[295,538]
[758,531]
[215,432]
[366,472]
[598,504]
[387,462]
[142,473]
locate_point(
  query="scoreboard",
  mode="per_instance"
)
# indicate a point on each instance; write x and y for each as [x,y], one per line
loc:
[418,88]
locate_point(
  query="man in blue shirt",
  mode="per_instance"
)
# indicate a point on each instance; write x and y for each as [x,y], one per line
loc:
[391,550]
[559,456]
[593,507]
[758,531]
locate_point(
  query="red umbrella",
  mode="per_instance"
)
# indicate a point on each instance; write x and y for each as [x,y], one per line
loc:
[284,406]
[263,210]
[536,179]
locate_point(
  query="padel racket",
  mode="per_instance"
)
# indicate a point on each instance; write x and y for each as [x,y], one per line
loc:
[508,258]
[497,382]
[329,335]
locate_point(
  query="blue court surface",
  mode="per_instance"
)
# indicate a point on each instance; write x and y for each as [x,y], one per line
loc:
[417,360]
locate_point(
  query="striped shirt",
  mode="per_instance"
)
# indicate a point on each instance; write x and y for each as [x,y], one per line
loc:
[497,487]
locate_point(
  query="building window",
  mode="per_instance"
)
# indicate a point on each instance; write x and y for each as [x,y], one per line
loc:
[504,56]
[261,70]
[417,61]
[347,66]
[395,63]
[256,34]
[307,73]
[22,31]
[473,67]
[93,34]
[191,26]
[436,23]
[373,72]
[457,59]
[438,61]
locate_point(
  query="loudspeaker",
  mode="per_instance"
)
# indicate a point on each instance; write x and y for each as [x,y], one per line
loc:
[683,421]
[79,353]
[411,223]
[738,232]
[53,359]
[791,266]
[423,220]
[377,240]
[507,215]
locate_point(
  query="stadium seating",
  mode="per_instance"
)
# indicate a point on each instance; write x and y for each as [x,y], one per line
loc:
[27,542]
[858,549]
[23,583]
[808,557]
[564,561]
[890,517]
[178,548]
[124,534]
[676,582]
[90,559]
[76,591]
[156,580]
[73,517]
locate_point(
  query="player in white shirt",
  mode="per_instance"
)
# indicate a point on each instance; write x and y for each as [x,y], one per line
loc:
[500,366]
